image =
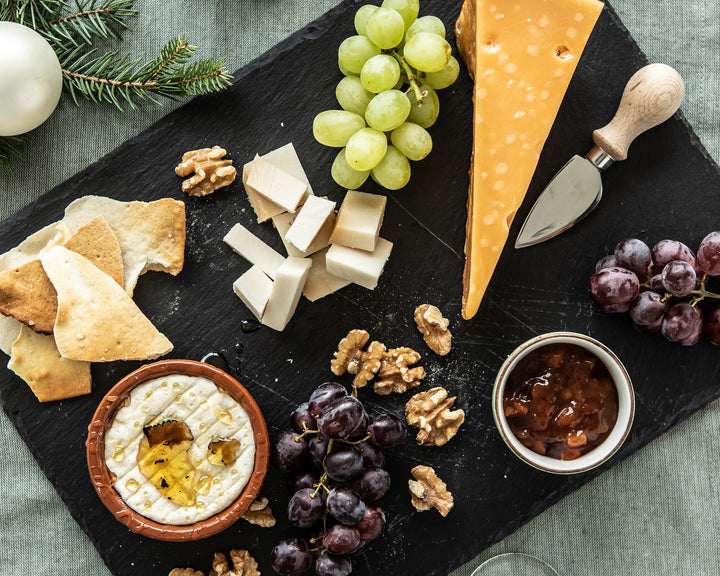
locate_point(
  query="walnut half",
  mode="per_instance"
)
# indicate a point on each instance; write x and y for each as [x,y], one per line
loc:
[211,170]
[351,358]
[259,513]
[428,491]
[242,564]
[434,328]
[395,375]
[430,412]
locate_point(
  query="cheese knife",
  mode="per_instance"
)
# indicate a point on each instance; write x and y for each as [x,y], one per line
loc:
[652,95]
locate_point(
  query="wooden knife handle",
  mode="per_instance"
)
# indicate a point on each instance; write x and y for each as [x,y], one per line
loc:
[651,96]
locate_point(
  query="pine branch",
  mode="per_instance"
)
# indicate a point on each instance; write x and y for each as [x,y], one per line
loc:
[12,148]
[116,79]
[33,13]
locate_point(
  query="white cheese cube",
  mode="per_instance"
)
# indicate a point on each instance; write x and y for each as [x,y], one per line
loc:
[358,266]
[253,249]
[286,292]
[320,282]
[283,222]
[315,215]
[359,220]
[286,159]
[254,288]
[276,185]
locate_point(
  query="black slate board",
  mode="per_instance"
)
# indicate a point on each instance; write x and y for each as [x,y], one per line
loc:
[667,188]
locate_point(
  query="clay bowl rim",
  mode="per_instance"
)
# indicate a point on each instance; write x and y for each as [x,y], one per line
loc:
[100,475]
[626,405]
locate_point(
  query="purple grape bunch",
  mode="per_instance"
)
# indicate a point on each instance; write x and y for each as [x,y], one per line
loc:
[662,287]
[334,460]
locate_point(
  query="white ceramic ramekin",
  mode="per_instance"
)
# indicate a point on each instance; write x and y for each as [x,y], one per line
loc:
[626,405]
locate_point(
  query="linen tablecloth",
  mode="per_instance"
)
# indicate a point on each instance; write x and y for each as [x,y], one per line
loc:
[656,513]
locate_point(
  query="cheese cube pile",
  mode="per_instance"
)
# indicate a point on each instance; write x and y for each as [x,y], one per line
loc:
[325,251]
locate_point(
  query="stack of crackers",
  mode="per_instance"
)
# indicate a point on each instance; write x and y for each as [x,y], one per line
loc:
[66,291]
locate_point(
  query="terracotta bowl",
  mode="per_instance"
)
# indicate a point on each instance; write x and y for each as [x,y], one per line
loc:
[599,454]
[101,477]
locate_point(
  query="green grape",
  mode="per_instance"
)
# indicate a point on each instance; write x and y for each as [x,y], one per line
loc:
[385,28]
[365,149]
[346,176]
[352,96]
[412,140]
[345,71]
[427,52]
[380,73]
[431,24]
[427,113]
[362,16]
[354,52]
[334,127]
[393,171]
[408,9]
[445,77]
[387,110]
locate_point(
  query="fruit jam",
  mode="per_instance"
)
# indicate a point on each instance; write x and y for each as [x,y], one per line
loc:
[560,401]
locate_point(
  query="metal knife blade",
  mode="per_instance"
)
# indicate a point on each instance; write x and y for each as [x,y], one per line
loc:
[652,95]
[570,196]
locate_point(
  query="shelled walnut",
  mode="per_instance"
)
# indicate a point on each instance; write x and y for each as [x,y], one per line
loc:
[185,572]
[242,564]
[428,491]
[259,513]
[430,412]
[395,375]
[351,358]
[434,328]
[211,170]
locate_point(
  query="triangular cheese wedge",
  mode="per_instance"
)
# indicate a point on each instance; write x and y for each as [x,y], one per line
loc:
[96,320]
[36,359]
[526,52]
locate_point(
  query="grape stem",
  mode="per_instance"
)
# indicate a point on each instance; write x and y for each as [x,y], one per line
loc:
[702,293]
[419,95]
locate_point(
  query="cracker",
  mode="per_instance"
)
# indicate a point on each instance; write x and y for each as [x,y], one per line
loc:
[27,294]
[151,234]
[35,358]
[97,242]
[96,320]
[9,331]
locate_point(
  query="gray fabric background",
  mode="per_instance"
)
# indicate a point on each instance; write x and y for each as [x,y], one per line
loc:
[657,513]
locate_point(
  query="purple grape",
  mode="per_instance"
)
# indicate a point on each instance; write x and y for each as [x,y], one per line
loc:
[372,484]
[323,395]
[289,452]
[708,257]
[345,506]
[340,417]
[712,326]
[606,262]
[651,328]
[318,447]
[342,539]
[656,284]
[386,430]
[647,308]
[361,429]
[301,415]
[634,255]
[305,507]
[291,557]
[343,465]
[371,454]
[679,278]
[305,477]
[694,338]
[372,523]
[614,289]
[669,250]
[680,322]
[328,564]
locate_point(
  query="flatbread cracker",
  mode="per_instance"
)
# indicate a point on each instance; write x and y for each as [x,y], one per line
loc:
[9,331]
[96,320]
[97,243]
[27,294]
[35,358]
[151,234]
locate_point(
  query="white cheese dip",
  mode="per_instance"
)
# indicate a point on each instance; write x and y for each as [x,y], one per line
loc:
[211,414]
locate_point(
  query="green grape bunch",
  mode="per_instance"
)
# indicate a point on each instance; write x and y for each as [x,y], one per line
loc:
[391,70]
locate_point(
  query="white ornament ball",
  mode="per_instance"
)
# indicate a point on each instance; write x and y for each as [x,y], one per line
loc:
[30,79]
